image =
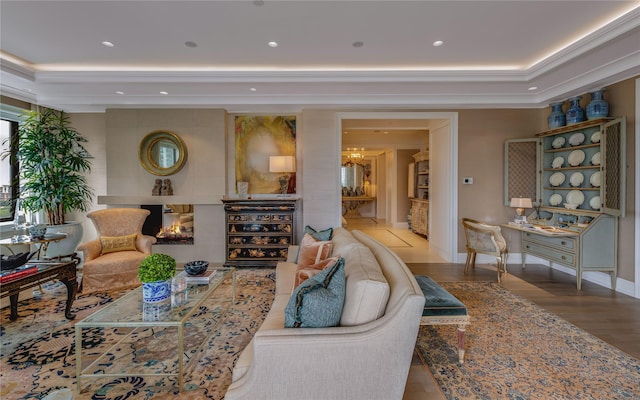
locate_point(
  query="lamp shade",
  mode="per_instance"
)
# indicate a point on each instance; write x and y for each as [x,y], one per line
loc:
[282,164]
[521,202]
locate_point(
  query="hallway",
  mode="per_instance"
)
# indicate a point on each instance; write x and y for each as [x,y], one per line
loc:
[411,248]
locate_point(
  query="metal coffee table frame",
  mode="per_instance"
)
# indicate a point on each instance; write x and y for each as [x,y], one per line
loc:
[127,312]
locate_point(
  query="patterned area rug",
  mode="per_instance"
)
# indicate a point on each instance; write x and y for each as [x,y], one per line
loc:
[517,350]
[38,350]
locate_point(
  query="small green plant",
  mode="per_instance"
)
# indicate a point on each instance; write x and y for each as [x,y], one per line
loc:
[157,267]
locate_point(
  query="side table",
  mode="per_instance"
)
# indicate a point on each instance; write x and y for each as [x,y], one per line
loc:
[64,271]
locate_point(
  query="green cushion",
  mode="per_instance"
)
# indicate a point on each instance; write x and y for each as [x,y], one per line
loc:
[438,301]
[318,301]
[319,235]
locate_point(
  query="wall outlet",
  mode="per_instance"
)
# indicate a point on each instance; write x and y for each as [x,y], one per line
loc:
[467,181]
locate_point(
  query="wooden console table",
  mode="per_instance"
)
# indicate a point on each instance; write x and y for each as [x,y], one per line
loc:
[47,271]
[351,204]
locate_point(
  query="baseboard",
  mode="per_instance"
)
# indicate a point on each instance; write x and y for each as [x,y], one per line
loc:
[599,278]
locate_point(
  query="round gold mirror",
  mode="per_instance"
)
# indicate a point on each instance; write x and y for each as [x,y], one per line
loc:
[162,153]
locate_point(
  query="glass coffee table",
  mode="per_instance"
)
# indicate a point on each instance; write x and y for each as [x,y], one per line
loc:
[124,334]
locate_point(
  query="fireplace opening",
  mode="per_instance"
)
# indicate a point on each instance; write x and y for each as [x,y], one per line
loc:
[170,223]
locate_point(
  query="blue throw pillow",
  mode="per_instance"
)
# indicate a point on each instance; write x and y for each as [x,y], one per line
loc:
[318,301]
[319,235]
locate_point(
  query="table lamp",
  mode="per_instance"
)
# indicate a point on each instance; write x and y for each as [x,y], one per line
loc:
[520,203]
[282,165]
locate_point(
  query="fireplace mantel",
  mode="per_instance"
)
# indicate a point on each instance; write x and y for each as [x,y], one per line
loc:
[137,200]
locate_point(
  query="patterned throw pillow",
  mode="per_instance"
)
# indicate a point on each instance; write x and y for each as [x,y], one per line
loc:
[302,274]
[313,251]
[318,301]
[326,234]
[112,244]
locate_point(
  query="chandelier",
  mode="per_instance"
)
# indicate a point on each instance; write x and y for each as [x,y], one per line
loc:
[355,155]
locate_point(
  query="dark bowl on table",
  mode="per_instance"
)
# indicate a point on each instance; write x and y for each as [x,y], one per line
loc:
[196,267]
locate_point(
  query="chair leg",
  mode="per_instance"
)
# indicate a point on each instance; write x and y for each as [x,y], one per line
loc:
[499,269]
[466,265]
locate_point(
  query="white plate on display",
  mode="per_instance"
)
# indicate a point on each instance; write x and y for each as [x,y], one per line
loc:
[595,203]
[558,142]
[595,159]
[595,179]
[557,162]
[575,197]
[595,138]
[555,199]
[557,179]
[576,179]
[576,139]
[576,158]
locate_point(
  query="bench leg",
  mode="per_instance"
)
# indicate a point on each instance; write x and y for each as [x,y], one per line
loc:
[461,330]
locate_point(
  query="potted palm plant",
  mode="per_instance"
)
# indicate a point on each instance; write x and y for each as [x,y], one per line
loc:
[155,273]
[53,163]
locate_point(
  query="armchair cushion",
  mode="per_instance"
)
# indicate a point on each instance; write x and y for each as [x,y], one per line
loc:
[110,244]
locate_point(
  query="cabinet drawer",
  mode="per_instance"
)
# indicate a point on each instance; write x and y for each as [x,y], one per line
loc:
[260,228]
[549,253]
[564,243]
[257,253]
[282,240]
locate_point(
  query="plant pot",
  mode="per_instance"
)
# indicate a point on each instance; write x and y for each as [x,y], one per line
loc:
[153,292]
[64,247]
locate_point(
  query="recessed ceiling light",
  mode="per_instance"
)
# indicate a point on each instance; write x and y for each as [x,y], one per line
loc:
[107,44]
[357,44]
[191,44]
[119,92]
[273,44]
[438,43]
[163,92]
[533,88]
[386,133]
[258,3]
[253,89]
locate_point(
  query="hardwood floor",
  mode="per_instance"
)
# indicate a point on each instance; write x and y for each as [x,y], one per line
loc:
[611,316]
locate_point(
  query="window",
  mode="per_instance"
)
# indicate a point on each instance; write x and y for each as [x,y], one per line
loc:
[9,184]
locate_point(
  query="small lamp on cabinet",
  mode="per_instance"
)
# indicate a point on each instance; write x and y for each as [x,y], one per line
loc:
[520,203]
[282,165]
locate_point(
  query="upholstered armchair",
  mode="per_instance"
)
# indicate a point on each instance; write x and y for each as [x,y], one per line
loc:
[485,239]
[111,261]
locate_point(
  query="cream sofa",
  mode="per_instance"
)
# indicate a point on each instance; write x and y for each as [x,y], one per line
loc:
[367,357]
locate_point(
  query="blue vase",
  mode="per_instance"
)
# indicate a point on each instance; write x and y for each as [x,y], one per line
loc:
[556,119]
[598,107]
[153,292]
[575,113]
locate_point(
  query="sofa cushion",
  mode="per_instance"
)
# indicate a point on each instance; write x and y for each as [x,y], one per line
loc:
[111,244]
[302,274]
[319,235]
[318,301]
[367,289]
[313,251]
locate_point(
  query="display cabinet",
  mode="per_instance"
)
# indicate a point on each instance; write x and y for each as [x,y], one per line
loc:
[259,232]
[578,191]
[419,193]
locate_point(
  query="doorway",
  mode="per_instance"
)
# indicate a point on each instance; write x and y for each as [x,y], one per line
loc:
[443,145]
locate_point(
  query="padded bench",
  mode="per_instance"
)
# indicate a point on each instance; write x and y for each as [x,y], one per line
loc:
[443,308]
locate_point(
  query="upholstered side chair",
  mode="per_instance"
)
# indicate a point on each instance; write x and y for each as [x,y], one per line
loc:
[486,239]
[111,261]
